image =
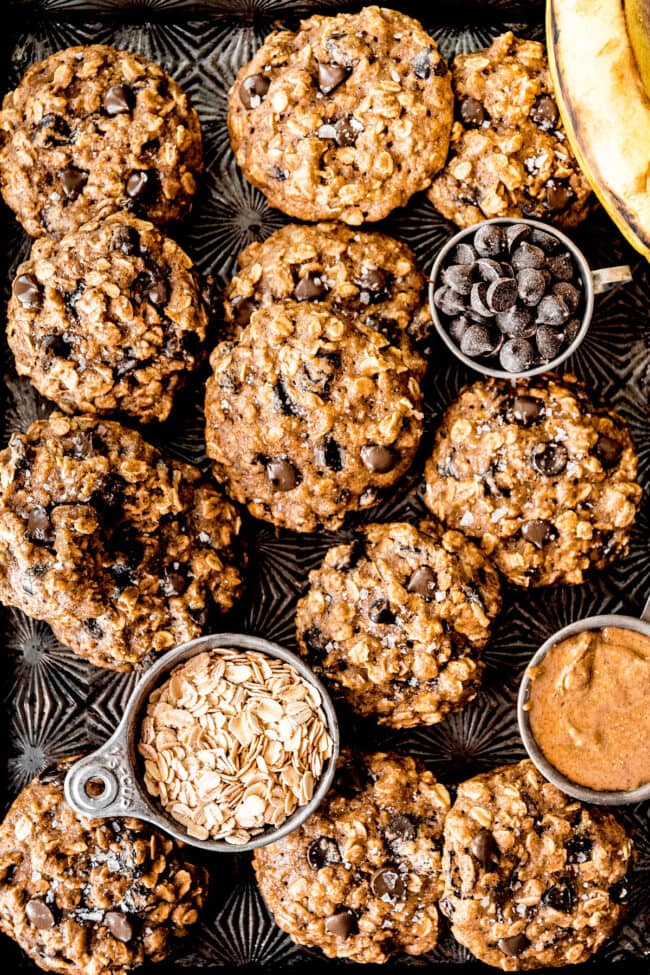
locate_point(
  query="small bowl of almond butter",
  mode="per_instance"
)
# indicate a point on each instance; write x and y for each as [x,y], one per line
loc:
[228,743]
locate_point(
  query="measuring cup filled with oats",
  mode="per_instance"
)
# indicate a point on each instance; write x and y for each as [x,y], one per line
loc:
[227,743]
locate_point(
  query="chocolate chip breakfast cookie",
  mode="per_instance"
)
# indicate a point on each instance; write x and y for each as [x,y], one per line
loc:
[360,879]
[397,620]
[109,318]
[116,548]
[91,130]
[91,896]
[310,415]
[370,276]
[509,154]
[541,477]
[533,879]
[345,118]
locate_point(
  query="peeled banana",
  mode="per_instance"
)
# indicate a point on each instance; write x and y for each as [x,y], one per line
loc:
[604,107]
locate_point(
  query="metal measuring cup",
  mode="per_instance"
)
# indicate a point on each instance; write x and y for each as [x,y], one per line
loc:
[108,782]
[593,283]
[597,796]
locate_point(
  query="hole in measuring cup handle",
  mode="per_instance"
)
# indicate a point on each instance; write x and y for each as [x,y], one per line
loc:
[101,785]
[605,279]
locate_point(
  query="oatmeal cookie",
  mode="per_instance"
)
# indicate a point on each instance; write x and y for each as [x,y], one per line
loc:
[107,319]
[116,548]
[344,119]
[310,415]
[541,477]
[397,620]
[372,277]
[91,130]
[509,155]
[361,879]
[533,879]
[91,896]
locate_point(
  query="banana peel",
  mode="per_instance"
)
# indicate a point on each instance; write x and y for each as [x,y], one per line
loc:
[604,107]
[637,18]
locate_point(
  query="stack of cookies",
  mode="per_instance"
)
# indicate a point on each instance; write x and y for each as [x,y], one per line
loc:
[313,414]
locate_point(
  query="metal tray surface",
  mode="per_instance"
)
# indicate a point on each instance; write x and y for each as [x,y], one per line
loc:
[54,703]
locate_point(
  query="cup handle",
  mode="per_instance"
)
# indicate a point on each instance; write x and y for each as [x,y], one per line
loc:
[606,278]
[102,785]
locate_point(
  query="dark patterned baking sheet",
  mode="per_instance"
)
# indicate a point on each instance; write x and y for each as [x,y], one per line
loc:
[55,703]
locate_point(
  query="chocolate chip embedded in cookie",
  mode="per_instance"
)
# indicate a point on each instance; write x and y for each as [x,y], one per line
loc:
[109,318]
[91,130]
[361,878]
[543,479]
[119,550]
[310,415]
[532,877]
[370,276]
[88,895]
[509,154]
[397,621]
[344,119]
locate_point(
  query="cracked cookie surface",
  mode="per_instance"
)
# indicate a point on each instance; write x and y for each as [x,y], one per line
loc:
[361,879]
[345,118]
[542,478]
[509,153]
[370,276]
[91,130]
[107,319]
[118,549]
[91,896]
[310,415]
[533,878]
[397,620]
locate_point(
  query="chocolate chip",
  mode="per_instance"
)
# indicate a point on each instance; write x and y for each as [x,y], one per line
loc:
[118,99]
[73,181]
[478,340]
[514,945]
[516,355]
[489,270]
[387,883]
[373,284]
[528,255]
[552,311]
[458,326]
[378,459]
[380,612]
[458,277]
[28,291]
[174,580]
[122,577]
[282,475]
[108,498]
[619,892]
[471,112]
[559,897]
[40,529]
[39,914]
[527,410]
[253,89]
[278,173]
[579,848]
[138,184]
[550,458]
[489,240]
[119,925]
[344,131]
[330,76]
[323,852]
[311,287]
[571,329]
[549,342]
[517,322]
[561,266]
[544,113]
[343,924]
[332,454]
[569,294]
[501,294]
[515,234]
[53,131]
[548,242]
[538,532]
[55,346]
[531,286]
[608,451]
[463,254]
[478,299]
[282,400]
[485,848]
[558,195]
[422,65]
[401,828]
[150,286]
[448,301]
[126,239]
[422,582]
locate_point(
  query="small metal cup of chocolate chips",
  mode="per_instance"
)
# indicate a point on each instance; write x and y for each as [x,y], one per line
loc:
[515,297]
[227,743]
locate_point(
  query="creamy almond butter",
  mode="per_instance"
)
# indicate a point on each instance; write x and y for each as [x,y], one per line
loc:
[589,708]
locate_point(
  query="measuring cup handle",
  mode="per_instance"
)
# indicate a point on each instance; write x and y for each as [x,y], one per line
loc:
[606,278]
[101,785]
